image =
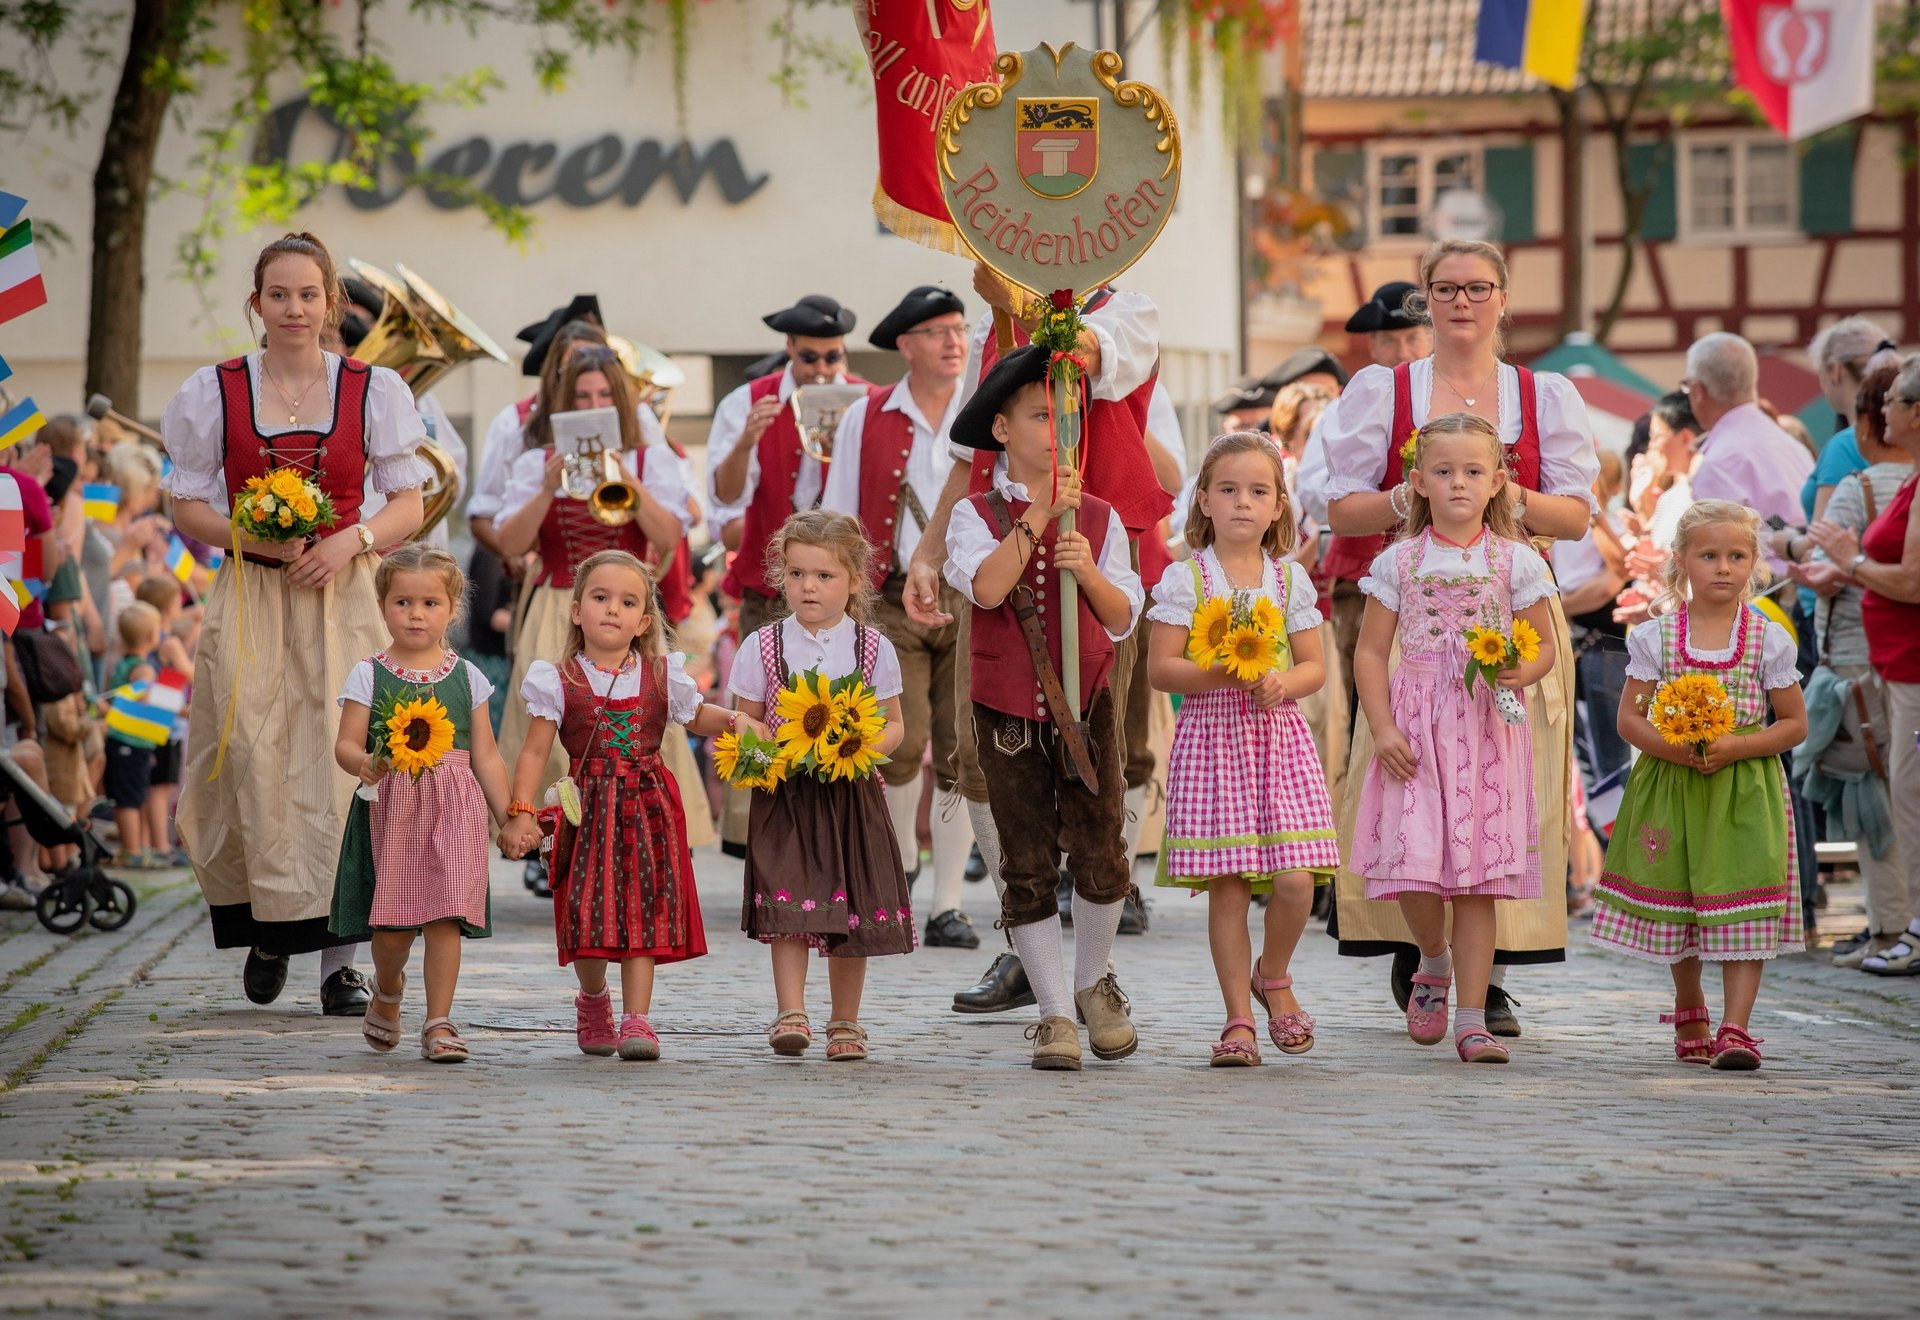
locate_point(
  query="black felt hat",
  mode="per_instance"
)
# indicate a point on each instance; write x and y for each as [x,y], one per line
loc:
[923,304]
[815,316]
[539,335]
[766,366]
[1261,392]
[973,427]
[1386,310]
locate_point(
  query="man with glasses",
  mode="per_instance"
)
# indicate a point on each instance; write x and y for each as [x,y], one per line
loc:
[890,459]
[1743,455]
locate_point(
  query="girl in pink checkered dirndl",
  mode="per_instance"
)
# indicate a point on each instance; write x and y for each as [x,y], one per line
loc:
[414,729]
[1446,817]
[1237,635]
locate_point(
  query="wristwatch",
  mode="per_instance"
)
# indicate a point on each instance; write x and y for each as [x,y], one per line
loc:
[365,533]
[1853,568]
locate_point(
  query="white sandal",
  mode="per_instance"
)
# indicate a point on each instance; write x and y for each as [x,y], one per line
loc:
[382,1033]
[448,1048]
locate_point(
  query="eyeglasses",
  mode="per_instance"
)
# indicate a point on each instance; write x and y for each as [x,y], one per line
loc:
[1447,291]
[938,332]
[833,357]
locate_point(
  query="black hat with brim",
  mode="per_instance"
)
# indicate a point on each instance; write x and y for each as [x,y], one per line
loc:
[815,316]
[766,366]
[973,427]
[584,307]
[1386,310]
[923,304]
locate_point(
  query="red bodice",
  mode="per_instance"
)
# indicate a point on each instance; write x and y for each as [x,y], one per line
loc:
[335,457]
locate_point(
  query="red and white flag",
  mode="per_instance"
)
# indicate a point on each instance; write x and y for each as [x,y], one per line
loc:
[1809,63]
[13,542]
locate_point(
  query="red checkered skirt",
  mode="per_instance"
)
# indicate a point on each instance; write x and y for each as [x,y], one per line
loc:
[430,843]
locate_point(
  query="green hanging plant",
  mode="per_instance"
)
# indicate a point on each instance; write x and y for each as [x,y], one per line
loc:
[1227,41]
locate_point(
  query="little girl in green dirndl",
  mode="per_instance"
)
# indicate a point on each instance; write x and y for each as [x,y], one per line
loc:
[1702,865]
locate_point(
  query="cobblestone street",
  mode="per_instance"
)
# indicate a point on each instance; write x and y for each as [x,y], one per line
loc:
[171,1149]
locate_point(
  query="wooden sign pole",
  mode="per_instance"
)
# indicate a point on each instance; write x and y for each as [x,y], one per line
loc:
[1066,420]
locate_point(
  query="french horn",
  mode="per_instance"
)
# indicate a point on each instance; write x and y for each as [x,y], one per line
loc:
[422,337]
[817,410]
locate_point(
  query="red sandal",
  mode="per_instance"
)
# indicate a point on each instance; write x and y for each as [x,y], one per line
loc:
[1231,1051]
[1734,1050]
[1691,1049]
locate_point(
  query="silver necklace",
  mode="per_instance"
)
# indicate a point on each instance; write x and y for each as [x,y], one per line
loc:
[1456,389]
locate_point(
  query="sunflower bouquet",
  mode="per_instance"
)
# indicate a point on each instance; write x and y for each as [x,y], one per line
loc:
[1242,634]
[412,734]
[281,506]
[1489,651]
[830,728]
[1691,710]
[746,760]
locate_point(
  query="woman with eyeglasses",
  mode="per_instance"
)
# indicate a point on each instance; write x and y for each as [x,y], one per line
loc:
[1884,560]
[1549,449]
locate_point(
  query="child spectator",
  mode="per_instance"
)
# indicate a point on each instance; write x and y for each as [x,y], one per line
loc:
[129,775]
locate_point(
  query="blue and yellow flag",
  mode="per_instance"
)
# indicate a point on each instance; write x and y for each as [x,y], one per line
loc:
[100,500]
[1540,36]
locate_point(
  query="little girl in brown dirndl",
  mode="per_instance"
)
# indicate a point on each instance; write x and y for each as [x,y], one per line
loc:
[623,884]
[823,868]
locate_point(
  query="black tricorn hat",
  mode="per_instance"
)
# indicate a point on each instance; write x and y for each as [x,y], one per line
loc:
[973,426]
[815,316]
[923,304]
[1262,392]
[584,307]
[766,366]
[1386,310]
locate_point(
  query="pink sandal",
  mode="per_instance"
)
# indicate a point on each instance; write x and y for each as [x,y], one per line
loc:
[593,1023]
[1292,1033]
[1477,1045]
[1427,1008]
[1232,1052]
[637,1038]
[1690,1049]
[1734,1050]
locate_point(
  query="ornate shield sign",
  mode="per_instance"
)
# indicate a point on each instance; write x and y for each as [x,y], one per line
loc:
[1060,176]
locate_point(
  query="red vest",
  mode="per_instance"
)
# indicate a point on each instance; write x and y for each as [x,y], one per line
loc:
[676,575]
[1349,557]
[569,533]
[772,504]
[1003,677]
[885,442]
[335,457]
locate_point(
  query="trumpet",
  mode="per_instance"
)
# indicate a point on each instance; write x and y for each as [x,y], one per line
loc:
[599,479]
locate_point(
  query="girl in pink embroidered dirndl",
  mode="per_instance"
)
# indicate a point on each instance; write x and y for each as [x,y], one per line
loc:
[1446,813]
[414,859]
[1247,805]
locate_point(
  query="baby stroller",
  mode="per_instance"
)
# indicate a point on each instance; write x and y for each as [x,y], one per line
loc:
[81,892]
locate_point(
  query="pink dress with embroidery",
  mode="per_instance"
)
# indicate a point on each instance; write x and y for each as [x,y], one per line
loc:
[1464,825]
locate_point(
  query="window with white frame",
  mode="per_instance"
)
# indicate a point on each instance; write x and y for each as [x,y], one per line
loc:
[1405,179]
[1737,187]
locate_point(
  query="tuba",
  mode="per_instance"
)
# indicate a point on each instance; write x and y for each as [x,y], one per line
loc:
[422,337]
[653,374]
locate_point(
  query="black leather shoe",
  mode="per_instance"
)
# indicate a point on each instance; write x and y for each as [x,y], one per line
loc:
[263,978]
[1500,1018]
[1405,963]
[1004,987]
[535,877]
[1063,897]
[950,930]
[1133,916]
[976,865]
[344,994]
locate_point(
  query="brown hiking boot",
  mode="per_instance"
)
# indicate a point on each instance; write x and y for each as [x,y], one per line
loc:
[1109,1029]
[1056,1044]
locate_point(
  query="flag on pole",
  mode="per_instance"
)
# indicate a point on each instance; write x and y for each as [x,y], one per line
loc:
[5,370]
[922,56]
[1540,36]
[1808,65]
[33,572]
[10,208]
[180,560]
[100,500]
[145,714]
[19,422]
[21,289]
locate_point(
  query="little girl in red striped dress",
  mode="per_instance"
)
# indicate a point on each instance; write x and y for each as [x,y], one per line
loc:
[1247,805]
[414,859]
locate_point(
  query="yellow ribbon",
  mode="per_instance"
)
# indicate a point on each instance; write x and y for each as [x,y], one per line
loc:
[246,652]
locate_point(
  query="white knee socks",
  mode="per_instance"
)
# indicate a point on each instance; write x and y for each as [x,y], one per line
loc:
[1041,951]
[952,837]
[1498,976]
[903,808]
[332,960]
[987,836]
[1094,926]
[1136,820]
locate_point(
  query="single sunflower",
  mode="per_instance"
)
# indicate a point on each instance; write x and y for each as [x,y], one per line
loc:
[1486,646]
[1526,641]
[806,711]
[419,734]
[1266,615]
[1249,653]
[1211,624]
[726,755]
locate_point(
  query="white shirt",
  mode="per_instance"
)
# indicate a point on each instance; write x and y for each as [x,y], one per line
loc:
[970,541]
[440,429]
[831,651]
[1576,563]
[1127,328]
[497,452]
[1163,423]
[1350,455]
[1530,580]
[546,696]
[729,421]
[1665,519]
[659,473]
[194,429]
[1175,600]
[928,463]
[1779,657]
[359,685]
